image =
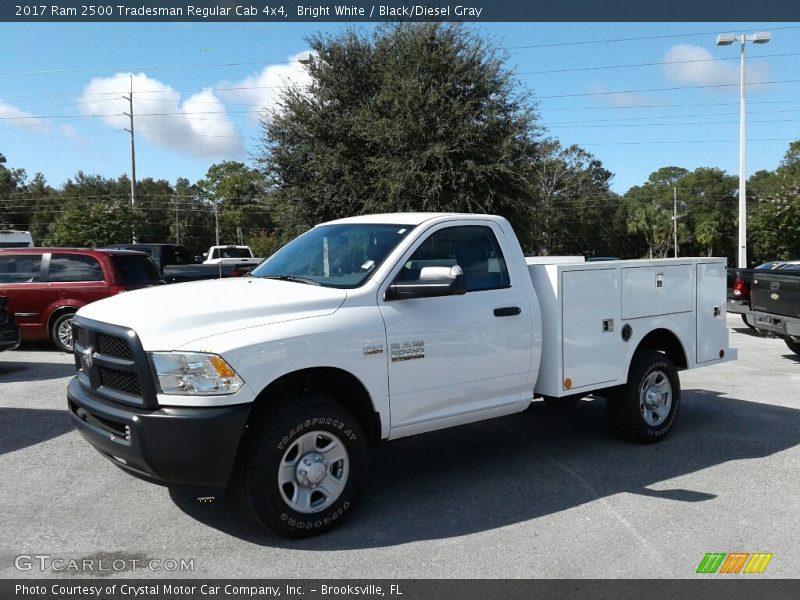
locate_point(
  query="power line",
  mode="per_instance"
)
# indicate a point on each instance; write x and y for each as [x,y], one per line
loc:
[650,64]
[150,67]
[645,143]
[665,105]
[155,114]
[633,39]
[615,120]
[668,89]
[671,124]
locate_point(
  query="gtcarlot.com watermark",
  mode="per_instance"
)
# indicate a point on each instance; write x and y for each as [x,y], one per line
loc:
[99,564]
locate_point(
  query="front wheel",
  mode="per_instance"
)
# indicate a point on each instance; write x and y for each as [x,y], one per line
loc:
[61,332]
[793,346]
[301,469]
[645,408]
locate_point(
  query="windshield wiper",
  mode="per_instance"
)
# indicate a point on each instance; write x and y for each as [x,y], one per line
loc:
[293,278]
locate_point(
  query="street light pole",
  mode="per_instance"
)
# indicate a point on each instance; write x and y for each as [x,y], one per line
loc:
[742,261]
[726,40]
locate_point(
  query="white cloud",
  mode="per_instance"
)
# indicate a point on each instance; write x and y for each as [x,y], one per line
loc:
[198,125]
[695,65]
[16,117]
[261,91]
[625,99]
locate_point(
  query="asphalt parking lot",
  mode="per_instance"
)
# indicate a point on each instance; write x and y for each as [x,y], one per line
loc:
[548,493]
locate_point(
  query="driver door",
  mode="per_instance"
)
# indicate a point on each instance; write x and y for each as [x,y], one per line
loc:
[454,355]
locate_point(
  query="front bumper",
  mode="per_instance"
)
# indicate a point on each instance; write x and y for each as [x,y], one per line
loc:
[181,446]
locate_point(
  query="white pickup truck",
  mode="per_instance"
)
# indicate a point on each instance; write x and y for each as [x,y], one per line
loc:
[230,255]
[374,328]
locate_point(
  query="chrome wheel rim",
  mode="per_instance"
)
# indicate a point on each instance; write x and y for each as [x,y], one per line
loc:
[64,333]
[313,472]
[655,399]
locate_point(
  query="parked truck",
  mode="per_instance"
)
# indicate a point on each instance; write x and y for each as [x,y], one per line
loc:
[231,255]
[13,238]
[775,302]
[739,283]
[375,328]
[177,265]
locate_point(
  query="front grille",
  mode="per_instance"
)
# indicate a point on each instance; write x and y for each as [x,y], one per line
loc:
[120,380]
[113,346]
[112,363]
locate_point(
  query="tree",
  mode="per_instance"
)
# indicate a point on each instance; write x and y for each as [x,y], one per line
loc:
[710,196]
[653,222]
[95,211]
[774,215]
[43,206]
[12,212]
[237,193]
[649,210]
[415,117]
[571,196]
[98,223]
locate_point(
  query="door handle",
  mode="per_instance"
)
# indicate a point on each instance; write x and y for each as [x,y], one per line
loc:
[507,311]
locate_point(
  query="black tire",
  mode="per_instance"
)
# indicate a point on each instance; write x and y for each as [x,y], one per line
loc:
[285,437]
[635,410]
[61,332]
[793,346]
[744,318]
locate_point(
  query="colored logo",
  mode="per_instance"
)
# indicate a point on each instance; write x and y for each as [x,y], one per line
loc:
[734,562]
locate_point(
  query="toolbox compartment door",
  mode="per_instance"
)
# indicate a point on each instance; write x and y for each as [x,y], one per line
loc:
[712,328]
[593,350]
[650,291]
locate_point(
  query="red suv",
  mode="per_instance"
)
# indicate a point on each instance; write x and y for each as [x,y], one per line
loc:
[45,286]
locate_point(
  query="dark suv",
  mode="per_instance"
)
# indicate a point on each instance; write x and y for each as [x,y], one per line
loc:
[45,286]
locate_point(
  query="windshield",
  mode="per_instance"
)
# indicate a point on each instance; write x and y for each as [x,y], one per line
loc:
[232,253]
[137,270]
[340,256]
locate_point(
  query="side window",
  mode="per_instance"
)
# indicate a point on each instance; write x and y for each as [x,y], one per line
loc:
[20,268]
[74,267]
[474,248]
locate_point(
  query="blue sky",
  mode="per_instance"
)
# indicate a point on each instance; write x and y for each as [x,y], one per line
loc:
[198,88]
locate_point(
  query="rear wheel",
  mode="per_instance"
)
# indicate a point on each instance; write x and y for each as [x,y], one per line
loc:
[793,346]
[61,332]
[644,410]
[302,468]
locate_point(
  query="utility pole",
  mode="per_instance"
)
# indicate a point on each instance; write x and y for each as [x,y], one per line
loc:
[216,220]
[177,224]
[675,218]
[133,155]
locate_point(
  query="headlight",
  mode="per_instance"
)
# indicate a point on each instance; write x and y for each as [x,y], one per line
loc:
[194,374]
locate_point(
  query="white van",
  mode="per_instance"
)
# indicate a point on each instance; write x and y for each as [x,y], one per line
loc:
[11,238]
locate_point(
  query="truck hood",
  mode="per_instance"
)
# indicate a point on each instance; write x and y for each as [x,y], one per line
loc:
[170,316]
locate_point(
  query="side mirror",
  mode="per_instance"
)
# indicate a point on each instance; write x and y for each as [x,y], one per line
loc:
[433,282]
